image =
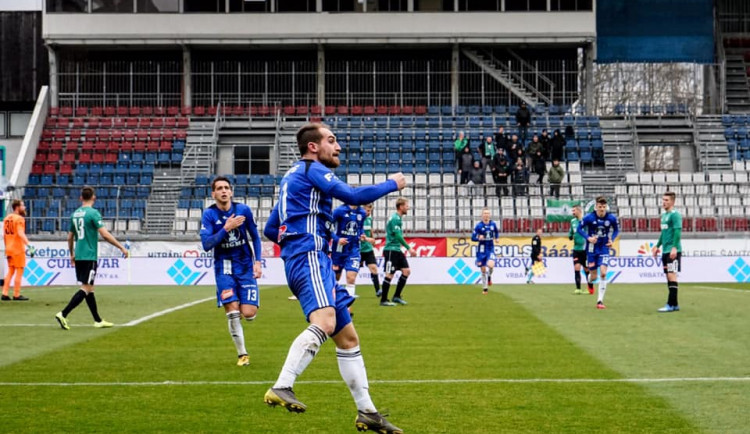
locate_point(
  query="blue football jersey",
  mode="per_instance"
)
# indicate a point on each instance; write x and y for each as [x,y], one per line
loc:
[301,220]
[490,233]
[601,227]
[349,224]
[233,245]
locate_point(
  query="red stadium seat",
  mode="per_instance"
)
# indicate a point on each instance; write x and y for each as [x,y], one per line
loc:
[368,110]
[142,135]
[85,158]
[509,225]
[316,110]
[330,110]
[139,147]
[50,169]
[47,135]
[62,122]
[109,111]
[118,123]
[50,122]
[264,110]
[160,111]
[56,146]
[382,110]
[212,111]
[170,122]
[181,135]
[116,135]
[157,122]
[95,123]
[127,146]
[82,112]
[654,224]
[302,110]
[131,123]
[187,111]
[165,146]
[420,110]
[155,134]
[741,224]
[78,123]
[54,111]
[173,111]
[167,134]
[152,146]
[66,111]
[40,157]
[237,110]
[537,223]
[394,110]
[182,123]
[687,224]
[122,111]
[37,169]
[524,225]
[357,110]
[288,110]
[71,147]
[147,111]
[342,110]
[135,111]
[59,135]
[627,224]
[128,135]
[97,111]
[110,157]
[66,169]
[199,110]
[144,122]
[642,224]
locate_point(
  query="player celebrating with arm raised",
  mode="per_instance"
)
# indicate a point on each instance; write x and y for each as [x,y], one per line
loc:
[670,238]
[225,228]
[301,223]
[349,221]
[596,228]
[579,250]
[485,232]
[393,257]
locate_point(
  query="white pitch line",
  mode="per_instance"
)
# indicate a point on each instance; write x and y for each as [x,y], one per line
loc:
[127,324]
[425,381]
[166,311]
[718,288]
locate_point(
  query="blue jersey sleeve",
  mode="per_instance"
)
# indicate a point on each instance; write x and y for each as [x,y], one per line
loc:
[209,239]
[584,225]
[323,179]
[615,227]
[497,231]
[271,230]
[252,229]
[475,233]
[338,213]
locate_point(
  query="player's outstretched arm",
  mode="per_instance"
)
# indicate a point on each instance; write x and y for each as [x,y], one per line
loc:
[326,181]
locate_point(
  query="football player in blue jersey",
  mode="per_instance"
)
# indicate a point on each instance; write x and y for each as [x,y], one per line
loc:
[349,222]
[225,228]
[596,227]
[485,232]
[302,224]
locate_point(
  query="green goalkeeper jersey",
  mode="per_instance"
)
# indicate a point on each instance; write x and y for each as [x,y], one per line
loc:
[671,231]
[579,243]
[365,246]
[394,237]
[84,224]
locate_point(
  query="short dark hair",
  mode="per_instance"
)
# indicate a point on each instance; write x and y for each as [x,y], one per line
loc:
[307,133]
[15,204]
[670,194]
[87,193]
[601,200]
[217,179]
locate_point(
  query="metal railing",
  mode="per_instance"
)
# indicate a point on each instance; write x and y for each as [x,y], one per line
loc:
[707,204]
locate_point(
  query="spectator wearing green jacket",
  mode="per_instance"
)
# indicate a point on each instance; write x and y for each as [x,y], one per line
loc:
[555,177]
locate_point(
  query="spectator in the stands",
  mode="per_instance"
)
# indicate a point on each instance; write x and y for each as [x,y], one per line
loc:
[544,140]
[557,146]
[555,177]
[477,177]
[534,146]
[487,150]
[501,140]
[523,120]
[570,132]
[500,167]
[520,154]
[461,142]
[520,178]
[465,163]
[539,165]
[513,147]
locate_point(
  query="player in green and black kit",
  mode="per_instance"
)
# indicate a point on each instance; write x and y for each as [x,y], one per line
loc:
[366,251]
[393,256]
[671,232]
[579,250]
[85,226]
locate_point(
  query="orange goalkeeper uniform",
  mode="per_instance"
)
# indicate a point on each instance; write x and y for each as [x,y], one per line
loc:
[15,248]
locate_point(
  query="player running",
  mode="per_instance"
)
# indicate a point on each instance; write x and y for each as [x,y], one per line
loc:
[349,220]
[579,250]
[301,223]
[485,233]
[225,228]
[596,228]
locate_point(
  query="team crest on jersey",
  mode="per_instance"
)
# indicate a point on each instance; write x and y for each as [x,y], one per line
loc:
[359,217]
[606,223]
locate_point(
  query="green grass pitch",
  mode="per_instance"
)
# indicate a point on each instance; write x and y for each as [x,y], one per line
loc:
[525,358]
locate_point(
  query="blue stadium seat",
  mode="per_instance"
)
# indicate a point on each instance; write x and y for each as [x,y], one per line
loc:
[474,109]
[380,157]
[47,180]
[433,156]
[446,110]
[178,145]
[433,110]
[486,110]
[434,167]
[393,156]
[407,158]
[448,156]
[420,167]
[420,122]
[420,156]
[572,155]
[379,168]
[433,122]
[147,179]
[367,167]
[586,156]
[34,179]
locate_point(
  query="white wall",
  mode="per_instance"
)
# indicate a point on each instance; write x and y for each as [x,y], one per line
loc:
[305,28]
